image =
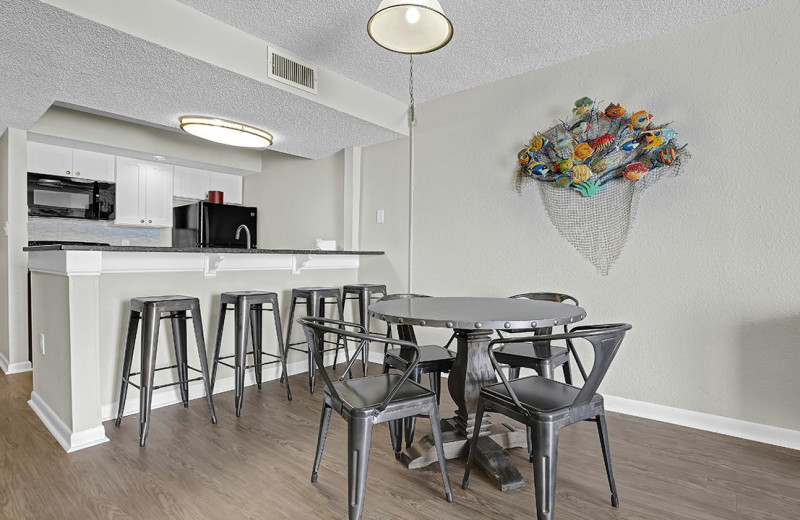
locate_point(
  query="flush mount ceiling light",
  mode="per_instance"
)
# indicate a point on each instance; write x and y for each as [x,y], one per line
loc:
[410,27]
[226,132]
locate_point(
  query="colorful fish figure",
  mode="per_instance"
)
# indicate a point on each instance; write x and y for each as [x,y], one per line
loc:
[582,105]
[563,181]
[562,142]
[580,173]
[538,168]
[614,111]
[582,152]
[640,120]
[666,156]
[537,143]
[523,157]
[629,144]
[563,166]
[635,171]
[602,142]
[580,128]
[657,137]
[600,165]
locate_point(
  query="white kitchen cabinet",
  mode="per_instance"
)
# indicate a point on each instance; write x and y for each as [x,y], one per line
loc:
[230,185]
[68,162]
[144,193]
[194,184]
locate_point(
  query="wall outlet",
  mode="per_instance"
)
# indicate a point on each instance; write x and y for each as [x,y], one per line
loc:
[41,343]
[379,217]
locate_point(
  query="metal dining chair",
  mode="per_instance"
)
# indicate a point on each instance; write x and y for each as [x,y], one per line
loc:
[366,401]
[433,360]
[547,406]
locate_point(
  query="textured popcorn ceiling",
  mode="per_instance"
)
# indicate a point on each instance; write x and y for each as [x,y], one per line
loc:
[493,39]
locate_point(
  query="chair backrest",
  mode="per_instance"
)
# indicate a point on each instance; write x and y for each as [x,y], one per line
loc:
[404,332]
[605,341]
[547,297]
[315,330]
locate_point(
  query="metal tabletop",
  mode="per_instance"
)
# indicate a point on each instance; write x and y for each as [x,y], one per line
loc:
[471,313]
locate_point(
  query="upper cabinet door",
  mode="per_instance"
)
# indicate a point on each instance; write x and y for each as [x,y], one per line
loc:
[230,185]
[158,195]
[131,178]
[49,159]
[93,165]
[190,183]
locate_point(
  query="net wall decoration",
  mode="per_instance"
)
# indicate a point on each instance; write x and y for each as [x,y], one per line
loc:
[591,171]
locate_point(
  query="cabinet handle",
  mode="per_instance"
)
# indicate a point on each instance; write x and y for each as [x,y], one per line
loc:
[69,172]
[149,221]
[142,221]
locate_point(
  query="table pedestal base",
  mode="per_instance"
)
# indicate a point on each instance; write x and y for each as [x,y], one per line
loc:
[492,457]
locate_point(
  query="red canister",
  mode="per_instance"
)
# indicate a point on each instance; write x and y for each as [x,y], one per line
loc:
[216,197]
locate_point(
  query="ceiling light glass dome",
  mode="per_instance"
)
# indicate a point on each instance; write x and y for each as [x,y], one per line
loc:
[410,27]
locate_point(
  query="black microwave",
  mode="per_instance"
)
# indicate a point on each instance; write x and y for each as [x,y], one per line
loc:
[65,197]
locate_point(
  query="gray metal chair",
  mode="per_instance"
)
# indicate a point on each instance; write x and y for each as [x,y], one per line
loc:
[433,360]
[248,307]
[363,293]
[366,401]
[547,406]
[150,310]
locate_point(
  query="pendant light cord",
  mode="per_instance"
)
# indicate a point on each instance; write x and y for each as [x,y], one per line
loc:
[412,121]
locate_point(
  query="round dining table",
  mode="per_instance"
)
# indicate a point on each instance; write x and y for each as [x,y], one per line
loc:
[473,321]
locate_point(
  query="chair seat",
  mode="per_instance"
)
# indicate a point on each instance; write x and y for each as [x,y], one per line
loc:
[511,352]
[432,358]
[539,395]
[366,393]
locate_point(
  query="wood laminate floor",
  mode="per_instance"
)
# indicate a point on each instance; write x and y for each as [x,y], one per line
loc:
[258,466]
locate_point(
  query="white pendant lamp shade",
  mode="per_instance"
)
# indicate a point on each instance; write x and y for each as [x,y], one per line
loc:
[408,27]
[226,132]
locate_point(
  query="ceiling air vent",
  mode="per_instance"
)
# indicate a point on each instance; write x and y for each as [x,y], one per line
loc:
[292,71]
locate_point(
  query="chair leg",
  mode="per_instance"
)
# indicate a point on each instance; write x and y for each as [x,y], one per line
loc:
[411,422]
[282,351]
[197,321]
[363,303]
[567,372]
[240,354]
[545,461]
[435,381]
[513,373]
[395,427]
[130,343]
[150,323]
[473,443]
[179,339]
[359,436]
[436,429]
[324,423]
[256,334]
[284,376]
[529,438]
[602,429]
[546,371]
[223,309]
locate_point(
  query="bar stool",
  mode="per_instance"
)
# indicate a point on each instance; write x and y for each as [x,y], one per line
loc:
[151,311]
[364,293]
[248,307]
[315,300]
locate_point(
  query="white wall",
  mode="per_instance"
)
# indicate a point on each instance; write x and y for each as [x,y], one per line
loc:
[708,277]
[298,200]
[13,261]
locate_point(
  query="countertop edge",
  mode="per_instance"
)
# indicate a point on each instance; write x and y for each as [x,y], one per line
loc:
[144,249]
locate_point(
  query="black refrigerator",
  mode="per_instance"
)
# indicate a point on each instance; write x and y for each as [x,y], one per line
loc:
[204,224]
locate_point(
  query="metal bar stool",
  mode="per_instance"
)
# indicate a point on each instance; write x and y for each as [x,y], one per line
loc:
[315,300]
[151,311]
[248,307]
[363,293]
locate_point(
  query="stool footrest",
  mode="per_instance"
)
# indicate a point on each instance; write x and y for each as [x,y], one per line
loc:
[128,381]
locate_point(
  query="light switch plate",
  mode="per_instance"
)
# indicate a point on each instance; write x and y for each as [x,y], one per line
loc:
[380,217]
[41,342]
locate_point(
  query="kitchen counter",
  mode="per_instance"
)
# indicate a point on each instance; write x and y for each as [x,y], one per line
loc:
[206,250]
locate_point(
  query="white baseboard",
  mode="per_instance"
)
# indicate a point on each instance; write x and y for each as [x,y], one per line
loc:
[13,368]
[69,440]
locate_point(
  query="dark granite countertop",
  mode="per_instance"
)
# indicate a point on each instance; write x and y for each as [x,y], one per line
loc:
[207,250]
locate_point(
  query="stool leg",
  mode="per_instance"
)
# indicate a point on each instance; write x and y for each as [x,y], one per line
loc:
[256,328]
[340,305]
[435,379]
[130,343]
[197,321]
[276,314]
[223,309]
[179,339]
[288,337]
[363,303]
[314,308]
[567,373]
[150,324]
[242,311]
[411,422]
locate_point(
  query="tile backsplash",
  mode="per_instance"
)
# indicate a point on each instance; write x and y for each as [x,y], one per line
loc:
[95,231]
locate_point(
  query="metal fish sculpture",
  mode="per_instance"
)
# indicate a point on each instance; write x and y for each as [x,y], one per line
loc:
[666,156]
[602,142]
[563,181]
[537,143]
[582,152]
[580,128]
[563,166]
[538,168]
[562,143]
[523,157]
[629,144]
[635,171]
[582,105]
[614,111]
[640,120]
[580,173]
[655,138]
[600,165]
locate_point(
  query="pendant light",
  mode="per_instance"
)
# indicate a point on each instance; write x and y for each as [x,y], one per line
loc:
[226,132]
[411,28]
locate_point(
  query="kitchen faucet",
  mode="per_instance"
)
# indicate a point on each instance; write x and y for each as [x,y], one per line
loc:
[247,231]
